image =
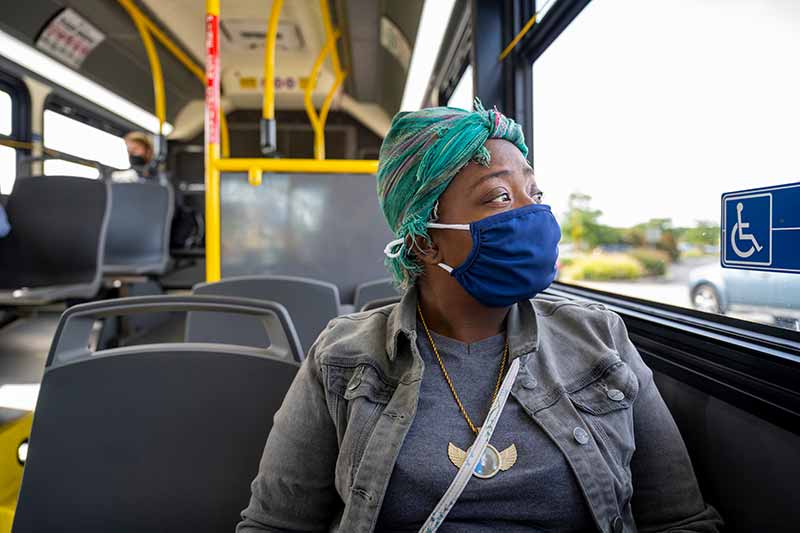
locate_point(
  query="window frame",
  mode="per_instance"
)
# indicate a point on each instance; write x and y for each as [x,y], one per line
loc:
[753,366]
[20,114]
[62,105]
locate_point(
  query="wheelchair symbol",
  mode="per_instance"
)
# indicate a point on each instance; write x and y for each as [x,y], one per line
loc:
[738,233]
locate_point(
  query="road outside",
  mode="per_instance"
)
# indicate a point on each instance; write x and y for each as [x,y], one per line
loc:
[673,289]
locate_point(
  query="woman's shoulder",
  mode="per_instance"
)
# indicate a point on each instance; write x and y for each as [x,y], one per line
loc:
[354,336]
[592,334]
[560,309]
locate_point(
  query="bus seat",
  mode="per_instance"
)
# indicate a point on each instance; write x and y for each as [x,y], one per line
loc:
[311,304]
[380,302]
[137,241]
[160,437]
[744,464]
[374,290]
[58,226]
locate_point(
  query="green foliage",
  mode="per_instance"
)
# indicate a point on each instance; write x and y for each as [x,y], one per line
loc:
[657,233]
[580,225]
[653,260]
[705,233]
[565,261]
[692,253]
[603,267]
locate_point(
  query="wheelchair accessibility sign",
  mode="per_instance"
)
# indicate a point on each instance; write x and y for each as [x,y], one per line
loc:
[760,229]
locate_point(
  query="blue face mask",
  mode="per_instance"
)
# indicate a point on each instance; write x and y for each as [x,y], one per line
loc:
[513,255]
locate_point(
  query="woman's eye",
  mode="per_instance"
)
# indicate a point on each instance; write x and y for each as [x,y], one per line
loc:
[537,197]
[503,197]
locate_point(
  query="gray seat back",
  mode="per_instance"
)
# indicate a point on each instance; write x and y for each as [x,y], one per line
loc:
[374,290]
[311,304]
[138,230]
[165,437]
[54,250]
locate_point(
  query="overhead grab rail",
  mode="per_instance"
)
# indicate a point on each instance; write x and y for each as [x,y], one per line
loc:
[252,166]
[267,133]
[318,121]
[147,29]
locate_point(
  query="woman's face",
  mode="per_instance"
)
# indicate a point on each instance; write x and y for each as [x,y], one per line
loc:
[478,192]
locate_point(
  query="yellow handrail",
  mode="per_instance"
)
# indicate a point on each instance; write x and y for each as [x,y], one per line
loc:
[311,166]
[254,168]
[528,25]
[326,22]
[182,58]
[268,104]
[155,63]
[318,120]
[317,124]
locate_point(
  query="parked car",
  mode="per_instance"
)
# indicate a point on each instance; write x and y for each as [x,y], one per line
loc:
[717,290]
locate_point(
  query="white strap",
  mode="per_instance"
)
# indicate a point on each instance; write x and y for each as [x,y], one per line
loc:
[473,454]
[437,225]
[395,243]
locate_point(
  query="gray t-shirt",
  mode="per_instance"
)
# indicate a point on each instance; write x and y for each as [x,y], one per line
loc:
[539,493]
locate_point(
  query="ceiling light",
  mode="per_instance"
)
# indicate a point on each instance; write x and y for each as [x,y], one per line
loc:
[432,26]
[35,61]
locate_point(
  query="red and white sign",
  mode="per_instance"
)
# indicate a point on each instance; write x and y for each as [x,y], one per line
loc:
[212,79]
[69,38]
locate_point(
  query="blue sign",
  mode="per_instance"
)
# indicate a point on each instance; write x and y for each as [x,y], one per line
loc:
[760,229]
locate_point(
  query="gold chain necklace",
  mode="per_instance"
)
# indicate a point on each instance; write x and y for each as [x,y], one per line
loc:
[492,461]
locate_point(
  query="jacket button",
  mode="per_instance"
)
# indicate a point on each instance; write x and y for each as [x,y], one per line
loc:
[617,526]
[581,436]
[616,395]
[528,382]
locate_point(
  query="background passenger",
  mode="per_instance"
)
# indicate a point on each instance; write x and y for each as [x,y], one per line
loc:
[387,403]
[140,154]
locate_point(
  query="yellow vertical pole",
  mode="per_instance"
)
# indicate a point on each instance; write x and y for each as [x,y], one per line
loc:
[212,130]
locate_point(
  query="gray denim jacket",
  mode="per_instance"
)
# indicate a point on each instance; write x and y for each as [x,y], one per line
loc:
[335,440]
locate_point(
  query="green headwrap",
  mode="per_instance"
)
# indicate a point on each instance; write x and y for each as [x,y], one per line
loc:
[419,157]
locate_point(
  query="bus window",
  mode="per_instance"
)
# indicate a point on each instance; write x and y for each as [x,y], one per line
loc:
[637,134]
[5,113]
[463,93]
[81,140]
[8,155]
[60,167]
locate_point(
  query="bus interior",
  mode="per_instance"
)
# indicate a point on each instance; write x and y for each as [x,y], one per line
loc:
[147,325]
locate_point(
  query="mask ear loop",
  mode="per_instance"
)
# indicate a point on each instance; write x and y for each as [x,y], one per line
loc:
[399,243]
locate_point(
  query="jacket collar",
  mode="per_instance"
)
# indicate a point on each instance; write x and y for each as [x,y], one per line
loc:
[521,324]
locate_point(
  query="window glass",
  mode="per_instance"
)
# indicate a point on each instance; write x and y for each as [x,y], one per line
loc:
[462,95]
[640,126]
[60,167]
[5,113]
[8,169]
[76,138]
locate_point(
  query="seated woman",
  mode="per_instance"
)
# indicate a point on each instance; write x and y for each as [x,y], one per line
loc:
[388,402]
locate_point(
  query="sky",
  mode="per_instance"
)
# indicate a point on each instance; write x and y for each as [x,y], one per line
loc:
[656,108]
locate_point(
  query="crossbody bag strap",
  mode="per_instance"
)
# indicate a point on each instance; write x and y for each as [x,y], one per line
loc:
[473,454]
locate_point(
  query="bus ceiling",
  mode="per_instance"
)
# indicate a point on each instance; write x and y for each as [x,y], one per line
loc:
[371,75]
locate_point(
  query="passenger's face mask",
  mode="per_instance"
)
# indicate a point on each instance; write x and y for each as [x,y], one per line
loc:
[137,161]
[513,255]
